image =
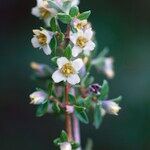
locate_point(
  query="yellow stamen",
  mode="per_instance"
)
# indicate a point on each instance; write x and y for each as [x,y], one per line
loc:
[44,13]
[81,41]
[42,39]
[67,69]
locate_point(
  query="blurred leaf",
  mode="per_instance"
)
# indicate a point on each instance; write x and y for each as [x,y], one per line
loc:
[84,15]
[81,115]
[117,100]
[63,136]
[72,99]
[68,52]
[54,5]
[53,45]
[54,25]
[75,145]
[57,142]
[104,91]
[42,109]
[74,11]
[50,88]
[97,117]
[64,18]
[56,107]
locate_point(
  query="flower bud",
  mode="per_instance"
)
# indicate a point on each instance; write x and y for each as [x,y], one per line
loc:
[108,67]
[111,107]
[95,88]
[38,97]
[69,109]
[65,146]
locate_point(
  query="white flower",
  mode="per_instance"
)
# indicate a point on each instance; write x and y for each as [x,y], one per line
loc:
[38,97]
[110,107]
[67,70]
[41,39]
[43,11]
[81,24]
[82,41]
[65,146]
[108,67]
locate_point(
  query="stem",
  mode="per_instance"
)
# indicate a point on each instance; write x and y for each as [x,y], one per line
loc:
[68,116]
[76,130]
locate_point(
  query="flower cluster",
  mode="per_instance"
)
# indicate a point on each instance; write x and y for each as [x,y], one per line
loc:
[67,83]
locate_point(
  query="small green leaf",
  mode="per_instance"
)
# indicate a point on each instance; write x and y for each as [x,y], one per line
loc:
[64,18]
[74,11]
[57,142]
[79,108]
[104,91]
[82,116]
[54,5]
[72,99]
[63,136]
[53,45]
[42,109]
[68,52]
[118,99]
[84,15]
[75,145]
[54,25]
[56,107]
[50,88]
[97,117]
[54,59]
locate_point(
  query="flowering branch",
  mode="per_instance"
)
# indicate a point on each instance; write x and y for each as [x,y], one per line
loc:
[71,60]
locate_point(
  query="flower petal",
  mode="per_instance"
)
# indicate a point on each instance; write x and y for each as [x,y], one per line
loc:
[35,42]
[35,11]
[89,46]
[61,61]
[73,37]
[76,50]
[88,33]
[58,76]
[77,64]
[48,34]
[73,79]
[47,50]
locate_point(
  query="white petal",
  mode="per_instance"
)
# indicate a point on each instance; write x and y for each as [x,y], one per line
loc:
[77,64]
[48,34]
[89,46]
[76,50]
[35,42]
[88,33]
[61,61]
[47,50]
[73,79]
[73,37]
[35,11]
[47,21]
[58,76]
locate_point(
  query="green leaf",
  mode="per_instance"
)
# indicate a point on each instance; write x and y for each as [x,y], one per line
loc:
[97,117]
[57,141]
[42,109]
[54,25]
[54,5]
[53,45]
[84,15]
[74,11]
[104,91]
[64,18]
[81,115]
[118,99]
[50,88]
[68,52]
[75,145]
[56,107]
[72,99]
[63,136]
[79,108]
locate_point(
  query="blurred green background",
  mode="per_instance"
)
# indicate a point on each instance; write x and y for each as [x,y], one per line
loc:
[123,26]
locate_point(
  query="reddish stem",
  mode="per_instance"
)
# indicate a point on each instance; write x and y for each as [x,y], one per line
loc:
[68,116]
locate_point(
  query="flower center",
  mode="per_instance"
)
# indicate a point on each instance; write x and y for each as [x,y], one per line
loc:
[81,41]
[42,39]
[44,13]
[81,25]
[67,69]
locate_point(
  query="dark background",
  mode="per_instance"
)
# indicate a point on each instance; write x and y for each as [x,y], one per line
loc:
[123,26]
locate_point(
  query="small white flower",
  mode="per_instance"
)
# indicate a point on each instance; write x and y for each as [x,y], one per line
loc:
[82,41]
[41,40]
[108,67]
[69,109]
[43,11]
[38,97]
[65,146]
[81,24]
[67,70]
[111,107]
